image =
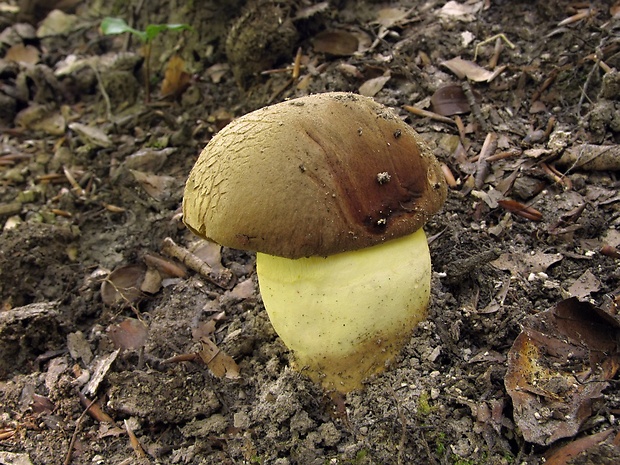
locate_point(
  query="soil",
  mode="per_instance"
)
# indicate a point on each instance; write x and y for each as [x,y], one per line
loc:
[92,182]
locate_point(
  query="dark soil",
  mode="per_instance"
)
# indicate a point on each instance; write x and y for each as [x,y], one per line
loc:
[77,203]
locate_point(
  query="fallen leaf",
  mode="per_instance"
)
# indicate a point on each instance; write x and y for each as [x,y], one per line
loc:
[176,79]
[390,17]
[522,264]
[158,187]
[219,362]
[585,285]
[42,118]
[450,100]
[123,285]
[152,281]
[91,135]
[558,365]
[339,43]
[130,334]
[564,454]
[204,329]
[24,54]
[470,70]
[371,87]
[465,12]
[42,404]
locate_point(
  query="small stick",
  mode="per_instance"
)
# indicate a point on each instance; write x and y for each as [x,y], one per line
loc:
[498,37]
[73,182]
[461,127]
[482,165]
[473,104]
[78,424]
[496,52]
[135,443]
[428,114]
[223,279]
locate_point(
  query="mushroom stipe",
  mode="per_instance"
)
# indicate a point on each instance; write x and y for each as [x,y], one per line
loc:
[331,190]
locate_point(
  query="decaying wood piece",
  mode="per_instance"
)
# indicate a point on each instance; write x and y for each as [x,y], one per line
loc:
[591,157]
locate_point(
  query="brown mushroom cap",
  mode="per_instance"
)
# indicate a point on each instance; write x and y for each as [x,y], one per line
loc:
[317,175]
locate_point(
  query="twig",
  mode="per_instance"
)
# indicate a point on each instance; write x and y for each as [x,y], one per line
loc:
[428,114]
[104,93]
[135,443]
[223,278]
[473,104]
[482,165]
[491,39]
[78,423]
[584,90]
[403,433]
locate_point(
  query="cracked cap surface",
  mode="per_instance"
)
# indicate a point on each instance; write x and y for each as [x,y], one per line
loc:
[317,175]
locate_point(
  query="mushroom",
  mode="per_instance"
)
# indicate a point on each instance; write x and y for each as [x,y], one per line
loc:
[331,190]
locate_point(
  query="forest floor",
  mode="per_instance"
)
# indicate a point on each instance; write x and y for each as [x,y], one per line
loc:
[517,362]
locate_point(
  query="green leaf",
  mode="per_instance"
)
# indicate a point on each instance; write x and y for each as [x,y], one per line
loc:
[152,30]
[111,26]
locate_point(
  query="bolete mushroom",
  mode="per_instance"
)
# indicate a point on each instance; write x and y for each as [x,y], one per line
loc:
[331,190]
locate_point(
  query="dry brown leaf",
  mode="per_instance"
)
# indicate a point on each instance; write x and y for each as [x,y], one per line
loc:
[559,363]
[450,100]
[176,79]
[42,118]
[152,281]
[158,187]
[339,43]
[243,290]
[130,334]
[465,12]
[219,362]
[123,285]
[371,87]
[470,70]
[585,285]
[389,17]
[25,54]
[204,329]
[565,454]
[523,263]
[101,367]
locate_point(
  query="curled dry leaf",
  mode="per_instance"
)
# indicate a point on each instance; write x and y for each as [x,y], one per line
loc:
[558,365]
[123,285]
[566,453]
[130,334]
[219,362]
